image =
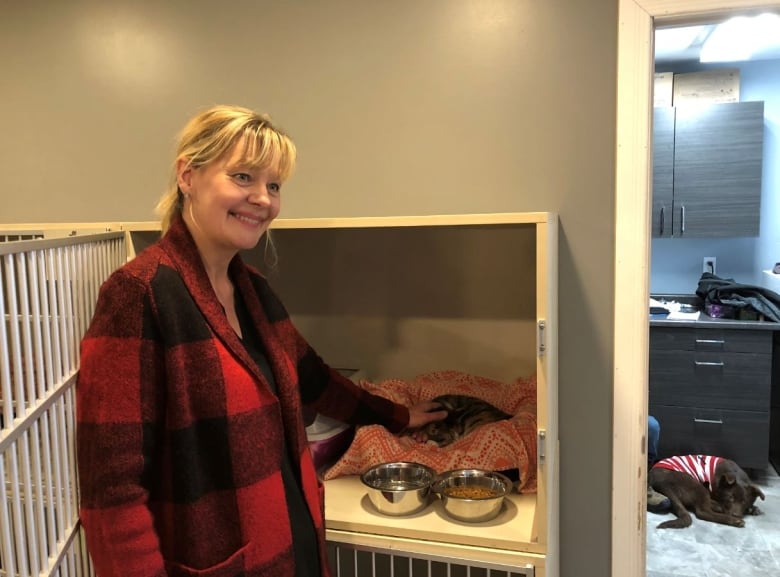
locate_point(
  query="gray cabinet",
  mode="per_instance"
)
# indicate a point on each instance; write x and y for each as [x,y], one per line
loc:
[663,171]
[707,162]
[710,391]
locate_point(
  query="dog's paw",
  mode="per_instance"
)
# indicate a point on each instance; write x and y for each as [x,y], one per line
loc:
[739,522]
[755,511]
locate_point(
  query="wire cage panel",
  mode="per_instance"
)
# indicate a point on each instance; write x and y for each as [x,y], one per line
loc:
[349,560]
[48,291]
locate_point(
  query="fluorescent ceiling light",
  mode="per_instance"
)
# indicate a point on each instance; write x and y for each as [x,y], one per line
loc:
[741,37]
[676,39]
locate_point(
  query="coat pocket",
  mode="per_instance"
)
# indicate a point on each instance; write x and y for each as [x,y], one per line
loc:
[230,567]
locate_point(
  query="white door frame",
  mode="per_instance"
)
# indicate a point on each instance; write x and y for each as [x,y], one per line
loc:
[632,261]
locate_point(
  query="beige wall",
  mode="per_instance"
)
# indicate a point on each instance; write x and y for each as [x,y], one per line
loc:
[403,107]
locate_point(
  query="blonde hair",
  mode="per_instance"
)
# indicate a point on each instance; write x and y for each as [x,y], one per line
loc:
[214,132]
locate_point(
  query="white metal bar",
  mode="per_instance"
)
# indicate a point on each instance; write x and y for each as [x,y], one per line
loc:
[57,481]
[79,274]
[5,361]
[51,527]
[28,375]
[17,388]
[76,267]
[88,253]
[7,557]
[40,551]
[105,256]
[37,325]
[57,370]
[29,537]
[62,324]
[46,322]
[67,302]
[71,473]
[14,492]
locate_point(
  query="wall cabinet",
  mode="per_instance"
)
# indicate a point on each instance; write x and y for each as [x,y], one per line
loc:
[710,391]
[707,162]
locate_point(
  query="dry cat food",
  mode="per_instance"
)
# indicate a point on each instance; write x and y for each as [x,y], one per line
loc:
[465,492]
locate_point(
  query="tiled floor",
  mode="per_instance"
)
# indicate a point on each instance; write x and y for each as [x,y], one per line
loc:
[711,550]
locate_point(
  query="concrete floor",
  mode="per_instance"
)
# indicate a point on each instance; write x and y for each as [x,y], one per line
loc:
[712,550]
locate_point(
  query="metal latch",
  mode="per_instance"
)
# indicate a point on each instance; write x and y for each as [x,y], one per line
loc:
[540,336]
[541,445]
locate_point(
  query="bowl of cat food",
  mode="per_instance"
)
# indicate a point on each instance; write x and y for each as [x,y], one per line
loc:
[472,495]
[399,488]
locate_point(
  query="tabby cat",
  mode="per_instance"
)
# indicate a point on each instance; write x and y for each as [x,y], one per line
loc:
[464,414]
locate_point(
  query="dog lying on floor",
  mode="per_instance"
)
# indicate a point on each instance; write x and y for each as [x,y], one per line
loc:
[713,488]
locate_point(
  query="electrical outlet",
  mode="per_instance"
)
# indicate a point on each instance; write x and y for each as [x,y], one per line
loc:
[709,264]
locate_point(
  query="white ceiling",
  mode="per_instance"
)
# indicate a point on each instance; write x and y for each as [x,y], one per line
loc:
[692,51]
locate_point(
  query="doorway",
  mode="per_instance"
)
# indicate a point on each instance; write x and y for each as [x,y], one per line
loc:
[637,20]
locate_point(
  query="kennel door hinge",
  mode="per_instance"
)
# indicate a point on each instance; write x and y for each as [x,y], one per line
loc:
[540,336]
[541,445]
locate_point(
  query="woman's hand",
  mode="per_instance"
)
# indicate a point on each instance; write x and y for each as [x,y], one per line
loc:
[423,413]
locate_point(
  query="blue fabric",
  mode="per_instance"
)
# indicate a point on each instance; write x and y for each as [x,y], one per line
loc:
[653,434]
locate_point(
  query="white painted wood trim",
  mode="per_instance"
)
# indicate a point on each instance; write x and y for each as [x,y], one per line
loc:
[548,480]
[632,238]
[51,226]
[404,221]
[632,259]
[290,223]
[691,9]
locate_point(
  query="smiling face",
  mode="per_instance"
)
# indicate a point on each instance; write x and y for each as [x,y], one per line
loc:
[229,203]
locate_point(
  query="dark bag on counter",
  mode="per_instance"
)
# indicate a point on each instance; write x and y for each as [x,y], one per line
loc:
[726,291]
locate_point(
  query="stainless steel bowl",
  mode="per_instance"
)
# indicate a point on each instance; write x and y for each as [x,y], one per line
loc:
[472,495]
[399,488]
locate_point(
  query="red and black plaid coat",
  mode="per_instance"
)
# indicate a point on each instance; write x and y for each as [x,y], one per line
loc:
[179,434]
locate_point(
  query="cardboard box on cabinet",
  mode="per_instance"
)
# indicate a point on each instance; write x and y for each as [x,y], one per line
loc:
[663,88]
[709,86]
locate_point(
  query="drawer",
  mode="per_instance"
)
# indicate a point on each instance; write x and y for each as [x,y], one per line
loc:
[711,340]
[687,378]
[739,435]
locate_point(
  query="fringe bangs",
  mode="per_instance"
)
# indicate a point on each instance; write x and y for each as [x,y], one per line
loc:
[266,148]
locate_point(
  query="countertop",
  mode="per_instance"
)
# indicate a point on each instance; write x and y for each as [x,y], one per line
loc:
[704,320]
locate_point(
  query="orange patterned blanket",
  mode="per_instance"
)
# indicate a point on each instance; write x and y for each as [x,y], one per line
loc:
[504,445]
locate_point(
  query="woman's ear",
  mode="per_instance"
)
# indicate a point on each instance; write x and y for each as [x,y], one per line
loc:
[184,175]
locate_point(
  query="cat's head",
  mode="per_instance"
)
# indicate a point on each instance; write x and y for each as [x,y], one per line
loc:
[443,432]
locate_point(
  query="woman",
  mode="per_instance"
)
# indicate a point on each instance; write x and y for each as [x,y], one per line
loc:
[191,444]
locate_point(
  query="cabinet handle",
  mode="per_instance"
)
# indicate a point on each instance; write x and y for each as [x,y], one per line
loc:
[682,220]
[710,342]
[661,221]
[708,421]
[708,364]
